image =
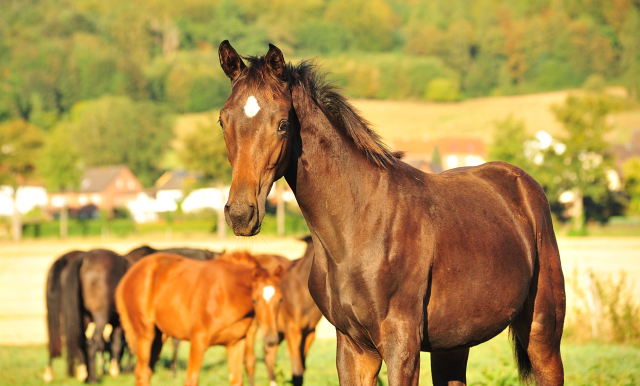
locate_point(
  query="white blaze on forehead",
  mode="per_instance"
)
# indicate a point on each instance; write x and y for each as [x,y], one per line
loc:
[251,108]
[268,292]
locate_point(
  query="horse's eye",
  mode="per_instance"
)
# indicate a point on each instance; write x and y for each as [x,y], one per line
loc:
[282,127]
[220,122]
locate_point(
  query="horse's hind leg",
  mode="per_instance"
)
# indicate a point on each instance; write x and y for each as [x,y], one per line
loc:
[95,344]
[146,340]
[449,368]
[538,327]
[174,361]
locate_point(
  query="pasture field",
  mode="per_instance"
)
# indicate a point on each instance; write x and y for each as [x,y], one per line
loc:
[489,364]
[23,355]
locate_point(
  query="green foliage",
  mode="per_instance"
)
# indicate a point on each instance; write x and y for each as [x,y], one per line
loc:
[631,178]
[204,151]
[19,144]
[117,130]
[510,144]
[59,164]
[442,90]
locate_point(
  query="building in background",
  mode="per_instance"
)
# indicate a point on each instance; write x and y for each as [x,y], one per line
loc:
[104,188]
[453,152]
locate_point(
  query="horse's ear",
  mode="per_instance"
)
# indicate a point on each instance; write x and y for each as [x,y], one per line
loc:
[230,61]
[257,273]
[276,64]
[278,272]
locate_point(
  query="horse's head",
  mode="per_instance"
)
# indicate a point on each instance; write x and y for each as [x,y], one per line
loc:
[267,296]
[256,121]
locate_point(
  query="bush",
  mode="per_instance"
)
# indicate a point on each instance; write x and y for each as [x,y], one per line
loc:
[602,309]
[443,90]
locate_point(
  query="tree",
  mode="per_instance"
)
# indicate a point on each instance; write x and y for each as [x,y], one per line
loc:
[204,151]
[59,168]
[631,177]
[118,130]
[510,144]
[20,142]
[579,161]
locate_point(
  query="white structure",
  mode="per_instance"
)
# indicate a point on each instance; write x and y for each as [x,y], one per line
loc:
[206,198]
[28,197]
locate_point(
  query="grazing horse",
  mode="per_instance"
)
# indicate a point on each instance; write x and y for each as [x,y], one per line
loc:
[198,254]
[298,315]
[55,277]
[206,302]
[404,261]
[88,293]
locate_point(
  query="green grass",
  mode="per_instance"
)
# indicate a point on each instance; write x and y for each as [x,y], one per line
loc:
[489,364]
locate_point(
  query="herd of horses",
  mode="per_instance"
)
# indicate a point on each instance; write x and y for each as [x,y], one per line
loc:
[399,261]
[101,302]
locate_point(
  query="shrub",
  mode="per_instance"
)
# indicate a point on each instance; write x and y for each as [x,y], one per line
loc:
[443,90]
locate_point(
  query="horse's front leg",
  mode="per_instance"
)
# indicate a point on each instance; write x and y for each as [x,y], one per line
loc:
[401,350]
[357,366]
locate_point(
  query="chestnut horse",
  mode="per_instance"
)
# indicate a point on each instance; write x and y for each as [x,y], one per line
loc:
[298,316]
[88,293]
[56,275]
[198,254]
[206,302]
[404,261]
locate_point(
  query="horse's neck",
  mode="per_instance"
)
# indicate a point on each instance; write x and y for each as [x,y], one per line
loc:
[333,179]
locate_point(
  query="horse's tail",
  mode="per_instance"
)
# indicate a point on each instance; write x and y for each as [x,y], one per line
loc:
[74,326]
[525,369]
[54,303]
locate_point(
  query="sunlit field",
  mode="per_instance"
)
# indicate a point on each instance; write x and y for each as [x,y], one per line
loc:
[23,354]
[489,364]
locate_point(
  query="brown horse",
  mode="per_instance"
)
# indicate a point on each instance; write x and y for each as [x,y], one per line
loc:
[404,261]
[206,302]
[298,315]
[88,293]
[56,275]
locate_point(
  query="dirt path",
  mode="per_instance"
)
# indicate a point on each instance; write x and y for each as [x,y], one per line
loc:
[23,268]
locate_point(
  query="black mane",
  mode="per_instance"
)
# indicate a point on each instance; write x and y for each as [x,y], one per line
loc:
[333,104]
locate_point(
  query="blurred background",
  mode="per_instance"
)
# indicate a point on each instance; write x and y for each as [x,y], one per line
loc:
[109,134]
[108,109]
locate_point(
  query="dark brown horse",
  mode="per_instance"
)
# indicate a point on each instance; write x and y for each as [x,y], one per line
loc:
[404,261]
[55,277]
[298,315]
[88,293]
[208,303]
[193,253]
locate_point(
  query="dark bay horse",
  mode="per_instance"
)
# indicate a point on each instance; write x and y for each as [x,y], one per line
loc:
[88,293]
[206,302]
[193,253]
[403,261]
[56,275]
[298,315]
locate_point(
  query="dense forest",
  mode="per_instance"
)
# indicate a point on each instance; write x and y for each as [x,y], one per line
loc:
[86,69]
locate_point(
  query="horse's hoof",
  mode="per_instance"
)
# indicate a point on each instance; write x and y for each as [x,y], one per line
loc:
[114,369]
[81,373]
[48,374]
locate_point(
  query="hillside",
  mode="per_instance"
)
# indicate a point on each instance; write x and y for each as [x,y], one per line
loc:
[469,118]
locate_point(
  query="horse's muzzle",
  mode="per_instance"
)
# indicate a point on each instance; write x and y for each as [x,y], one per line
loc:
[243,219]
